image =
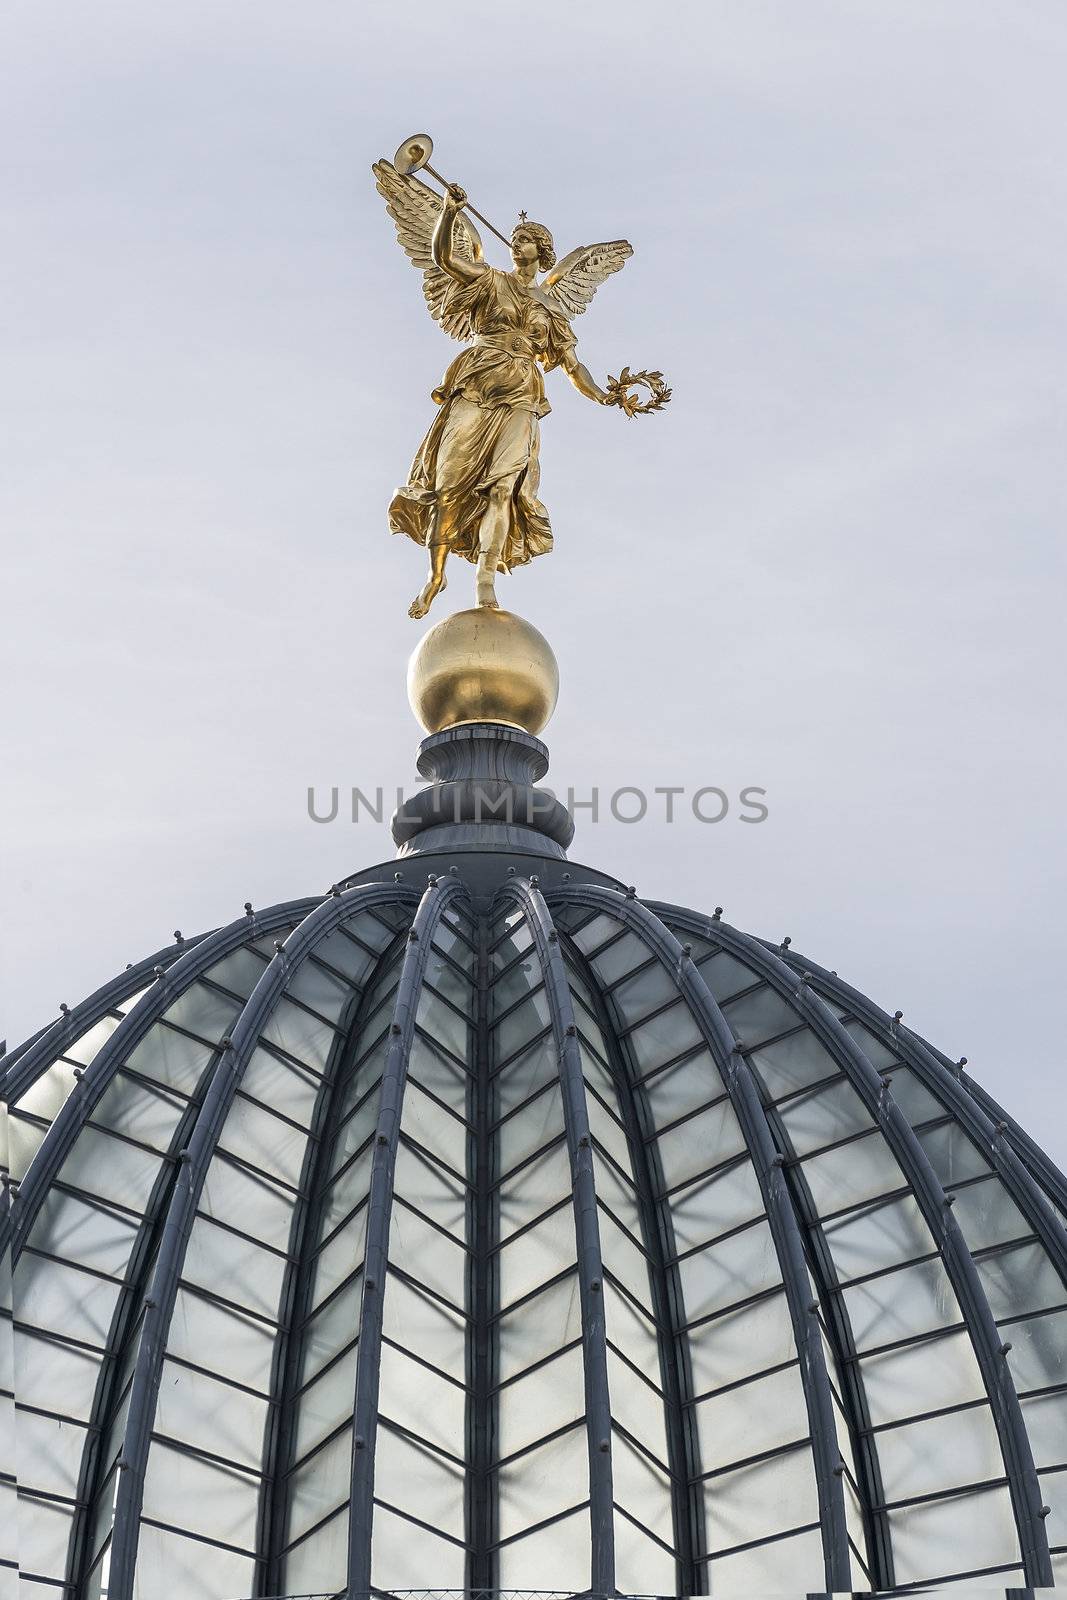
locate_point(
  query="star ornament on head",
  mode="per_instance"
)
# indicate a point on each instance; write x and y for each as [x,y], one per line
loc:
[522,216]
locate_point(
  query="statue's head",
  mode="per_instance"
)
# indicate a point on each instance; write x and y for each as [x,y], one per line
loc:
[531,241]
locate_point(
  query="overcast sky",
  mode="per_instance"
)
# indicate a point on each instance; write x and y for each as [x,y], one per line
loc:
[833,569]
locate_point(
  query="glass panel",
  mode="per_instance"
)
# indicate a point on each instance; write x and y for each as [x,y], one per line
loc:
[787,1564]
[746,1421]
[403,1555]
[547,1399]
[741,1343]
[910,1301]
[544,1482]
[556,1557]
[765,1498]
[706,1140]
[937,1372]
[961,1534]
[823,1116]
[416,1479]
[321,1560]
[167,1563]
[732,1270]
[537,1255]
[943,1452]
[540,1326]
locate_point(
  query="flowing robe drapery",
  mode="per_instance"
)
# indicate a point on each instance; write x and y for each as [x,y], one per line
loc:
[488,428]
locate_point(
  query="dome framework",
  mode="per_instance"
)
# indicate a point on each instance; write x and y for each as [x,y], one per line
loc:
[505,1232]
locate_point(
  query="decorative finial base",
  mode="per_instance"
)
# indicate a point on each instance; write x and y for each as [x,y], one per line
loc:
[483,665]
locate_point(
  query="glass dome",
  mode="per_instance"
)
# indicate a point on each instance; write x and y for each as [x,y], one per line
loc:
[487,1227]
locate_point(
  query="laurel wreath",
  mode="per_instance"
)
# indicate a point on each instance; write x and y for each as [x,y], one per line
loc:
[619,388]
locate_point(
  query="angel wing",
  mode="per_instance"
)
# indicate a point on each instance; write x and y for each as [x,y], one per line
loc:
[576,279]
[415,209]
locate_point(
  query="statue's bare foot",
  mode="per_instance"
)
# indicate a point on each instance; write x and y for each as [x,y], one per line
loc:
[485,592]
[426,597]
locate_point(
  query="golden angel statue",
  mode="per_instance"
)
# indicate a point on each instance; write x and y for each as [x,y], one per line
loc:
[473,485]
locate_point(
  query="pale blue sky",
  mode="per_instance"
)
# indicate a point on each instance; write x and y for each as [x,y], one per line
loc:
[834,568]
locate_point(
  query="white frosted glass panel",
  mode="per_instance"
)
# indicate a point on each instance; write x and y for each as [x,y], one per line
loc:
[527,1073]
[439,1074]
[792,1064]
[140,1112]
[786,1566]
[427,1256]
[261,1208]
[201,1496]
[913,1097]
[852,1174]
[938,1372]
[171,1058]
[731,1270]
[320,1562]
[1038,1355]
[263,1140]
[606,1132]
[596,932]
[662,1038]
[442,1134]
[529,1129]
[219,1260]
[241,1347]
[715,1205]
[703,1141]
[762,1415]
[332,1328]
[637,1406]
[1020,1280]
[532,1191]
[417,1480]
[281,1086]
[443,1024]
[952,1155]
[326,1403]
[403,1555]
[641,1565]
[759,1015]
[534,1257]
[424,1326]
[110,1168]
[645,991]
[43,1535]
[210,1415]
[45,1370]
[624,1259]
[300,1034]
[431,1190]
[168,1564]
[642,1488]
[534,1406]
[878,1237]
[340,1257]
[943,1452]
[741,1343]
[47,1454]
[51,1295]
[901,1305]
[962,1534]
[765,1498]
[319,989]
[340,951]
[633,1333]
[1046,1425]
[823,1116]
[87,1234]
[681,1089]
[520,1025]
[723,974]
[987,1215]
[320,1484]
[421,1401]
[540,1326]
[544,1482]
[557,1557]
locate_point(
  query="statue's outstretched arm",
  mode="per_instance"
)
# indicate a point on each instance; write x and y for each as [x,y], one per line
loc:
[443,245]
[584,382]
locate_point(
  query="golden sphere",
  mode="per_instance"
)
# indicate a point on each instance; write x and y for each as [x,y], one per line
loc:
[483,665]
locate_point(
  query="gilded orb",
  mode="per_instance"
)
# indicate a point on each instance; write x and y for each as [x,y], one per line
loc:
[484,665]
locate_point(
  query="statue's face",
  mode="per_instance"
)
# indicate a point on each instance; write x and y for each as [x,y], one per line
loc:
[524,251]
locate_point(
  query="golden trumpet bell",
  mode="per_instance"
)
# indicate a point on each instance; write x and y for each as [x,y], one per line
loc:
[413,154]
[483,665]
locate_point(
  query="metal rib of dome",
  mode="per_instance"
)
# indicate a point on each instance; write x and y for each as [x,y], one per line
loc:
[530,1239]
